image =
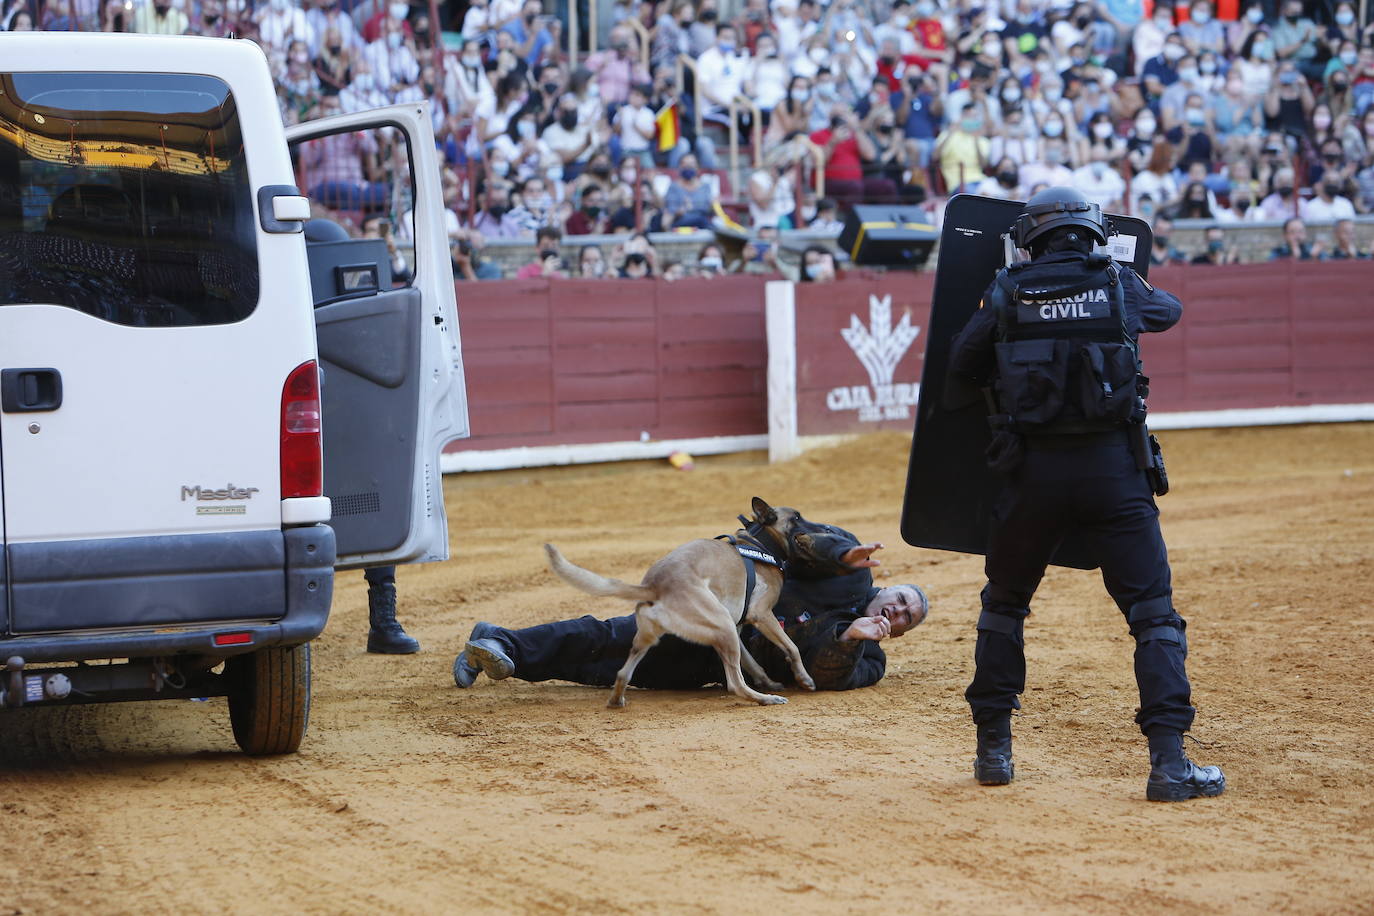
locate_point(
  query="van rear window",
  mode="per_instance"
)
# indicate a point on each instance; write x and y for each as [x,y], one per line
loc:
[126,196]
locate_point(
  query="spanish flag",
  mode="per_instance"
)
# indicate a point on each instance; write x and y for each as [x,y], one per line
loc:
[669,130]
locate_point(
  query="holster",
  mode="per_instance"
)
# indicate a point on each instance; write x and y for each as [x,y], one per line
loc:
[1007,449]
[1149,457]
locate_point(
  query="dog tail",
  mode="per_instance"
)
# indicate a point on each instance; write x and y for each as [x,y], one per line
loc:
[593,584]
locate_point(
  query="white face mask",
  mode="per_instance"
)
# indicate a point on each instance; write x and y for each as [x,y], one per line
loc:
[800,95]
[472,61]
[1102,130]
[1255,15]
[711,262]
[398,10]
[1054,128]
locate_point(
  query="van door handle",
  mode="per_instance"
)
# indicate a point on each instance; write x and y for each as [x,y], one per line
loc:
[30,390]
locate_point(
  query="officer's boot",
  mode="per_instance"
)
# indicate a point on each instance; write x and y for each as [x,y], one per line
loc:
[1173,777]
[386,636]
[992,766]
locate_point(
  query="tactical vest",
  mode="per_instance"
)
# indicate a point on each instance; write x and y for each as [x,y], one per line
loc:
[1065,360]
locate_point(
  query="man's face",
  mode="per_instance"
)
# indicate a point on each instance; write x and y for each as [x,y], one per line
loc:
[904,606]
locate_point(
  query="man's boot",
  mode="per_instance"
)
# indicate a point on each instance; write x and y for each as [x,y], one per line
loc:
[1173,777]
[992,766]
[386,636]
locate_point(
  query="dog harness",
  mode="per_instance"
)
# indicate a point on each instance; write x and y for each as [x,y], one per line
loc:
[750,552]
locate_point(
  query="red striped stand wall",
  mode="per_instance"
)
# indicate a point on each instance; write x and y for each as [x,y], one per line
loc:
[584,370]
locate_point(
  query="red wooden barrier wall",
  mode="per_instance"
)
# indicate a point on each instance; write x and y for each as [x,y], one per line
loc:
[574,362]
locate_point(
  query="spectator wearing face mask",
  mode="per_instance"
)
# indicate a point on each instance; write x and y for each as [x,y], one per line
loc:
[1240,208]
[1328,205]
[392,59]
[635,127]
[1255,63]
[1197,145]
[618,69]
[1156,178]
[1281,203]
[547,256]
[466,84]
[721,70]
[1162,250]
[1252,17]
[571,140]
[1289,102]
[1151,35]
[932,45]
[818,265]
[494,219]
[1005,181]
[535,208]
[1202,32]
[1296,39]
[1052,170]
[1100,183]
[279,22]
[591,263]
[1217,251]
[590,218]
[961,151]
[710,261]
[530,36]
[689,199]
[1163,67]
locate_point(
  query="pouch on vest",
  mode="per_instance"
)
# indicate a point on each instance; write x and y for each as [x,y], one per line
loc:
[1031,377]
[1107,381]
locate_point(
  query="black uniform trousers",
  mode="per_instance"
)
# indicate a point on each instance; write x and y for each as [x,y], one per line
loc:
[586,650]
[1095,487]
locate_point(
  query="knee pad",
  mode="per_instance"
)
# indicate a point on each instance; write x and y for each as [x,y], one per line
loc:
[1006,624]
[1154,620]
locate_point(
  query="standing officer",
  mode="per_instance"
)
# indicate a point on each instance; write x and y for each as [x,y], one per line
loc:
[1055,339]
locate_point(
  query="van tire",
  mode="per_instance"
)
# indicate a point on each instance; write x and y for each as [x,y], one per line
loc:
[269,698]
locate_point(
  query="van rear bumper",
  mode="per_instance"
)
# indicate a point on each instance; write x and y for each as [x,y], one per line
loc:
[308,554]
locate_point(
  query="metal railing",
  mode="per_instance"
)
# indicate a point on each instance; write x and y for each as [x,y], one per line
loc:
[756,129]
[685,63]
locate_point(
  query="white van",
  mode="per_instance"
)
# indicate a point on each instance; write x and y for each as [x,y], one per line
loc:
[176,416]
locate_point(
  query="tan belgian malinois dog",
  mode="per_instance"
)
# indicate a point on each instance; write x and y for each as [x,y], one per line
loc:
[698,592]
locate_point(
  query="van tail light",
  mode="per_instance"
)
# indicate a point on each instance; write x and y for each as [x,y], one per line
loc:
[302,461]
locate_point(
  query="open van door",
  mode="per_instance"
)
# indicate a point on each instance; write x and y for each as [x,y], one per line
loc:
[386,319]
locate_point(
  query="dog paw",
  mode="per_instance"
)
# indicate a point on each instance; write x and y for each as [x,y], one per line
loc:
[768,699]
[807,683]
[615,703]
[770,685]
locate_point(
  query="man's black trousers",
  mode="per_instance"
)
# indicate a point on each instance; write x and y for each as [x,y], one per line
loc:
[586,650]
[1094,487]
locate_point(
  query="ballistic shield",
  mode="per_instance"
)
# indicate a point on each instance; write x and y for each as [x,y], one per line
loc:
[949,488]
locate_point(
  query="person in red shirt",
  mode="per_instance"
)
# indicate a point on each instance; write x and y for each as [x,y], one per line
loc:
[591,217]
[847,147]
[932,45]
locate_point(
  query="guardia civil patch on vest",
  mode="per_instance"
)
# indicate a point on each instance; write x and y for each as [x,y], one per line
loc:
[1032,308]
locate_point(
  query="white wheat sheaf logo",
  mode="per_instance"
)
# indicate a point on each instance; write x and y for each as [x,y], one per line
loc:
[879,347]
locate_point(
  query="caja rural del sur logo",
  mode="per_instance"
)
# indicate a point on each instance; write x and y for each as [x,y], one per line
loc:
[880,347]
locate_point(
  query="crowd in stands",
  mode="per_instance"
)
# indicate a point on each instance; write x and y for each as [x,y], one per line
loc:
[1262,113]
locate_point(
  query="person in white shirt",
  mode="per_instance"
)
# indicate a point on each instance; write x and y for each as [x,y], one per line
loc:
[569,138]
[772,194]
[1100,183]
[278,24]
[1328,205]
[768,75]
[634,123]
[393,63]
[721,70]
[466,84]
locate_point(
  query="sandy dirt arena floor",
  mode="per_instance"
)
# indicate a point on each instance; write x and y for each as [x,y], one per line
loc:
[411,796]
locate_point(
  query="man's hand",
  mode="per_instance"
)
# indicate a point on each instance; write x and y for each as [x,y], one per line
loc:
[861,557]
[870,628]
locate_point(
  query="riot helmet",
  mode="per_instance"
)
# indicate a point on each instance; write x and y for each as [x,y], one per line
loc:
[1059,208]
